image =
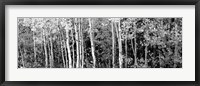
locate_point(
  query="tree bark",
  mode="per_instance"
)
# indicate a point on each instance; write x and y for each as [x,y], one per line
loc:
[22,56]
[73,61]
[68,47]
[159,58]
[82,47]
[80,43]
[146,52]
[120,45]
[135,54]
[52,57]
[77,44]
[92,44]
[61,46]
[64,65]
[50,62]
[133,48]
[113,45]
[176,46]
[126,42]
[45,50]
[176,54]
[34,48]
[117,31]
[67,63]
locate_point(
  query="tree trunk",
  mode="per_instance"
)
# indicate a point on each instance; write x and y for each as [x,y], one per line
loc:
[50,62]
[176,46]
[92,44]
[176,54]
[64,65]
[67,63]
[132,48]
[52,57]
[82,47]
[77,44]
[68,47]
[73,62]
[146,52]
[120,45]
[61,46]
[117,31]
[22,56]
[80,43]
[45,51]
[69,53]
[34,49]
[126,42]
[113,45]
[135,54]
[159,58]
[155,53]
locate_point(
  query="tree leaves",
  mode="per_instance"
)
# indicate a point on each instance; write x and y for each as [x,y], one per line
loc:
[136,42]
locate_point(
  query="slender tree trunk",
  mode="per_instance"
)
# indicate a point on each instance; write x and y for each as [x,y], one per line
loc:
[69,53]
[155,53]
[176,46]
[126,42]
[64,65]
[135,54]
[82,47]
[159,58]
[176,53]
[120,46]
[113,45]
[160,47]
[22,56]
[117,31]
[73,63]
[50,62]
[146,52]
[80,43]
[92,44]
[61,46]
[34,49]
[45,51]
[68,47]
[52,57]
[132,48]
[67,63]
[77,44]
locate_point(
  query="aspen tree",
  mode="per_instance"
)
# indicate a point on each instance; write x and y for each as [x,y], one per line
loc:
[82,46]
[92,44]
[68,44]
[77,44]
[120,44]
[113,44]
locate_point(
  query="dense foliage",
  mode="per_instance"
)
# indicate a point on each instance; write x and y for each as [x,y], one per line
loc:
[99,42]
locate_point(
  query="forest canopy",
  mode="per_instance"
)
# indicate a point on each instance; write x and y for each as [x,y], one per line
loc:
[99,42]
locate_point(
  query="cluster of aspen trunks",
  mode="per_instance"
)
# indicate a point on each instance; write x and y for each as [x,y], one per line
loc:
[83,42]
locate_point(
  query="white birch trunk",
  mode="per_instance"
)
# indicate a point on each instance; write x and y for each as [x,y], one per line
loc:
[68,47]
[113,45]
[92,44]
